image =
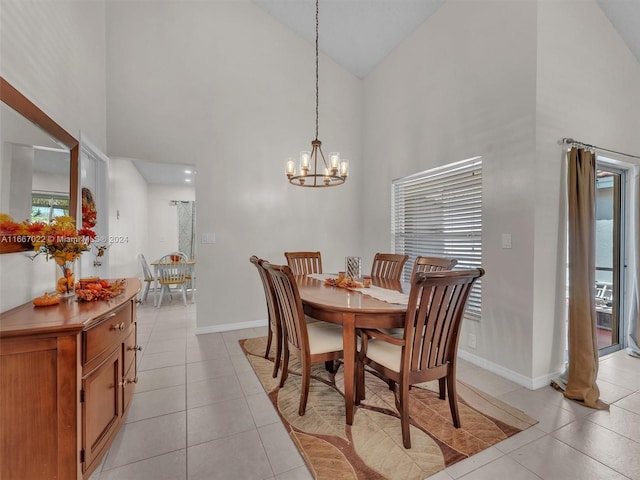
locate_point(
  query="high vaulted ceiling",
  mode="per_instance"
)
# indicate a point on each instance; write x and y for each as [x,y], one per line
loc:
[358,34]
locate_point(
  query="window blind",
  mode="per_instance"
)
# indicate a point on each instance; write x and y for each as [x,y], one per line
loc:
[438,212]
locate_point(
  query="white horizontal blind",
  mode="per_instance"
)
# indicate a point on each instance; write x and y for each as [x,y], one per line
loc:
[439,213]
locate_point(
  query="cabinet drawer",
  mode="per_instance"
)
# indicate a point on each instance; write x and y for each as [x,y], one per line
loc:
[107,334]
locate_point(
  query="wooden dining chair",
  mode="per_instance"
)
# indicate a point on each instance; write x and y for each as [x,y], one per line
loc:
[428,349]
[273,313]
[309,342]
[433,264]
[388,265]
[171,272]
[304,263]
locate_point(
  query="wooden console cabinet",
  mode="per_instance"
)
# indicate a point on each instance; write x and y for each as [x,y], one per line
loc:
[67,376]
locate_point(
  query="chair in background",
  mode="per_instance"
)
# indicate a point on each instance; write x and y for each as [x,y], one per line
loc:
[148,280]
[309,342]
[191,276]
[170,273]
[428,349]
[304,263]
[433,264]
[388,265]
[273,313]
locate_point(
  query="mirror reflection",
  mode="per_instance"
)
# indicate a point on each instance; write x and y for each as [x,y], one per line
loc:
[34,170]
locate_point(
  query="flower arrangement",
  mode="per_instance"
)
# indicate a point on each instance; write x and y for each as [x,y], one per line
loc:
[58,240]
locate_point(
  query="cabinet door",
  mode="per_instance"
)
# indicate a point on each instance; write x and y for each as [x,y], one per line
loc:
[102,405]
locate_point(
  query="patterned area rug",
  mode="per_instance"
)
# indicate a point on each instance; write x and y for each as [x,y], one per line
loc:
[372,448]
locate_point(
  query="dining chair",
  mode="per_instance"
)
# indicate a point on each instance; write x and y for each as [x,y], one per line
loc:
[388,265]
[433,264]
[191,276]
[309,342]
[273,313]
[171,272]
[148,279]
[304,263]
[428,349]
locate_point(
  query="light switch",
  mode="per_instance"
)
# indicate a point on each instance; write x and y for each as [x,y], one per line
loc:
[506,240]
[208,238]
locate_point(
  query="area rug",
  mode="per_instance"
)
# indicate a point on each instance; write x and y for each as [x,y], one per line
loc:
[372,448]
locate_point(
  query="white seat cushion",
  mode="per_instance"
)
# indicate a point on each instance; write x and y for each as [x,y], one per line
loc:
[324,337]
[385,354]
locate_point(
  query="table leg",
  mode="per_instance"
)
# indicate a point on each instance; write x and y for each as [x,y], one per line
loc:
[155,285]
[349,348]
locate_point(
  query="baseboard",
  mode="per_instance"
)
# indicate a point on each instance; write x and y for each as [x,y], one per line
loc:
[227,327]
[527,382]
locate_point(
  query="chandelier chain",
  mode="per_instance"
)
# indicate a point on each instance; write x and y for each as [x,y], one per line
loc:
[317,81]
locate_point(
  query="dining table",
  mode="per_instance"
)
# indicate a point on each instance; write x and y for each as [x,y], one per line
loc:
[353,309]
[191,265]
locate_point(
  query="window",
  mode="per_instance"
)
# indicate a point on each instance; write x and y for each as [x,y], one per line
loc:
[46,206]
[439,212]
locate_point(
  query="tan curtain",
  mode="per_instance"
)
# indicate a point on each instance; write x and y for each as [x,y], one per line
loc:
[583,348]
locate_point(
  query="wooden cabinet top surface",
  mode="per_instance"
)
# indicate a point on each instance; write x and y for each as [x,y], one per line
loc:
[68,316]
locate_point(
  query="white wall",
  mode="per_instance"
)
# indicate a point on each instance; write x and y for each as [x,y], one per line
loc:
[128,214]
[588,88]
[464,85]
[505,80]
[224,86]
[54,53]
[163,219]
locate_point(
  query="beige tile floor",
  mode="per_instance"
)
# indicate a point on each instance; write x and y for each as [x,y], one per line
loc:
[199,412]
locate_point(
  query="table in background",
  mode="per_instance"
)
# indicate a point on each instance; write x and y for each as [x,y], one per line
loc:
[191,265]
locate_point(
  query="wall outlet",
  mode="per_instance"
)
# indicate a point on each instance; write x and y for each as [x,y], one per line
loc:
[472,340]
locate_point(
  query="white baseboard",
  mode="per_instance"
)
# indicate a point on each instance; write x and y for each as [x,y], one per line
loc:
[227,327]
[527,382]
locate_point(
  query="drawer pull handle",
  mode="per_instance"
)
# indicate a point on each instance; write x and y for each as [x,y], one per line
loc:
[123,383]
[134,347]
[118,326]
[132,380]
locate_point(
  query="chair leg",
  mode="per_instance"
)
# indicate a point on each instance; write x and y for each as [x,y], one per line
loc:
[276,363]
[453,398]
[161,295]
[184,294]
[304,389]
[359,381]
[285,366]
[404,414]
[442,387]
[269,335]
[145,292]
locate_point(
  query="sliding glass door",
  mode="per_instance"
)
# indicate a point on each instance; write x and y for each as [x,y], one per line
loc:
[610,203]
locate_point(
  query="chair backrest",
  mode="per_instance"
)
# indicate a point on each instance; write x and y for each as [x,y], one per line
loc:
[437,301]
[303,263]
[273,311]
[146,270]
[171,271]
[175,256]
[291,310]
[388,265]
[433,264]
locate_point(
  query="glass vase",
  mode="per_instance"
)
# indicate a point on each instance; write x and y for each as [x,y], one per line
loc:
[66,283]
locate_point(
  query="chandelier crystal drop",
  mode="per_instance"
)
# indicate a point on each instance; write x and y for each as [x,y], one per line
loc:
[313,169]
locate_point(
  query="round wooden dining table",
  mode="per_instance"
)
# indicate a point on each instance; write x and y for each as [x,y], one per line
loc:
[352,309]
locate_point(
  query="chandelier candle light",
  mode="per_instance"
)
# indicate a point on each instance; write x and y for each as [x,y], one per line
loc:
[331,174]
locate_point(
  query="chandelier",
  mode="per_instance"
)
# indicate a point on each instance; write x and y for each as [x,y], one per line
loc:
[314,170]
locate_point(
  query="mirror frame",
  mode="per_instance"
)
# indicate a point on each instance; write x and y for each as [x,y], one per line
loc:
[25,107]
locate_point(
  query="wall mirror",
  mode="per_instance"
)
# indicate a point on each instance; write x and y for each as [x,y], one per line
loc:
[38,163]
